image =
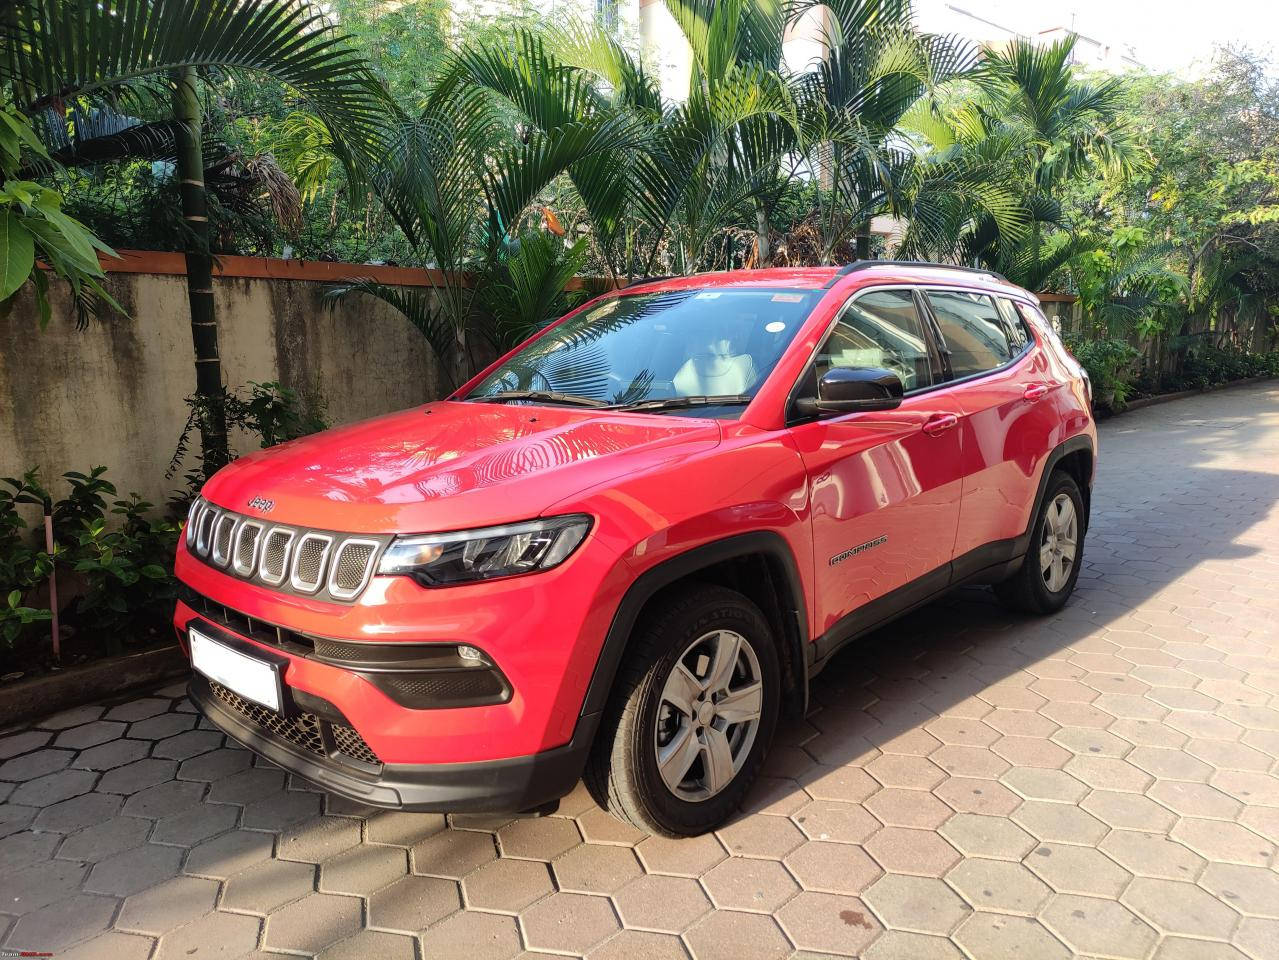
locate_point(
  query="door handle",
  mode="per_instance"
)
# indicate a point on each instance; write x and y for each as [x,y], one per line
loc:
[939,423]
[1036,391]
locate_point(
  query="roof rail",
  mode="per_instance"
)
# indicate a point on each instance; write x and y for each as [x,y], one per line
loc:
[638,280]
[864,264]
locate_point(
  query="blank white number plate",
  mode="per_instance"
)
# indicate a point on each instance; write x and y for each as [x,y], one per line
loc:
[248,676]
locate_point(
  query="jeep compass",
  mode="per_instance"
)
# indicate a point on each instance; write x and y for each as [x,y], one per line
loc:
[621,551]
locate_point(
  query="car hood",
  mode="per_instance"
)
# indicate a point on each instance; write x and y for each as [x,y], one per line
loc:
[450,466]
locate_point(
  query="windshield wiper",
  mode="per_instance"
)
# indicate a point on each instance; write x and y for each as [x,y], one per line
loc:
[679,403]
[546,396]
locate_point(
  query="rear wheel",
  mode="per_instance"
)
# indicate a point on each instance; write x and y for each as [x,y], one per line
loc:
[693,714]
[1050,569]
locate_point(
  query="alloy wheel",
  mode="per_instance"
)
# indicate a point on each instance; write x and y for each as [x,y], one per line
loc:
[709,715]
[1059,545]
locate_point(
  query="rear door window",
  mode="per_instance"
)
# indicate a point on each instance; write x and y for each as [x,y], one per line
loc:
[974,331]
[1018,334]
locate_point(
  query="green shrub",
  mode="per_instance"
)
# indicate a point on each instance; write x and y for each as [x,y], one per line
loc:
[1112,366]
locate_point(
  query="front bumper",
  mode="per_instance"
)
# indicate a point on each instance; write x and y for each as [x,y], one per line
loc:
[508,786]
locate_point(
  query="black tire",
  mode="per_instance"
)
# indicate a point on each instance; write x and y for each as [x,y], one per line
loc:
[1028,590]
[622,772]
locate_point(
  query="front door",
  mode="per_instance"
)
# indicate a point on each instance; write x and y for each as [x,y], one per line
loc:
[884,486]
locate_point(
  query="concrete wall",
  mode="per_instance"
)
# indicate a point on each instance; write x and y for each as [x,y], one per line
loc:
[113,394]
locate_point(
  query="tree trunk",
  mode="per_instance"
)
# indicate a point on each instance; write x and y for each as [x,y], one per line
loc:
[761,237]
[863,243]
[204,324]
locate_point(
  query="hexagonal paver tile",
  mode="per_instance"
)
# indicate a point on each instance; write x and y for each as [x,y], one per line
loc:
[507,885]
[317,839]
[908,808]
[89,734]
[920,852]
[85,810]
[1195,800]
[997,935]
[724,934]
[28,766]
[24,849]
[35,886]
[114,753]
[371,943]
[1127,811]
[71,718]
[918,773]
[1182,948]
[1109,773]
[281,810]
[247,786]
[102,840]
[900,945]
[1152,855]
[1257,936]
[363,869]
[828,923]
[999,885]
[403,829]
[188,744]
[266,886]
[979,836]
[215,764]
[24,742]
[632,944]
[134,777]
[228,854]
[761,836]
[1095,926]
[1061,822]
[1250,890]
[969,795]
[188,828]
[847,784]
[221,936]
[669,904]
[833,867]
[538,838]
[313,923]
[116,946]
[596,868]
[59,925]
[138,709]
[833,820]
[163,799]
[1038,784]
[918,904]
[685,857]
[568,923]
[1180,908]
[133,870]
[161,726]
[599,826]
[1228,842]
[412,903]
[745,884]
[468,936]
[53,788]
[168,905]
[453,853]
[1082,870]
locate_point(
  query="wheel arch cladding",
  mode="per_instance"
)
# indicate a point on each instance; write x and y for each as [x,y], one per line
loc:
[761,559]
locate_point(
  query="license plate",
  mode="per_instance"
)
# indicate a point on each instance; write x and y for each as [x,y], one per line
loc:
[246,675]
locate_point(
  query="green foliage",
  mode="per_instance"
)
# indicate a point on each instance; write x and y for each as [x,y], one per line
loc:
[1111,366]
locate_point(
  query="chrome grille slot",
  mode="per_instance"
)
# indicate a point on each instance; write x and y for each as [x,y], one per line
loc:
[330,565]
[352,564]
[207,519]
[247,540]
[275,555]
[223,537]
[308,562]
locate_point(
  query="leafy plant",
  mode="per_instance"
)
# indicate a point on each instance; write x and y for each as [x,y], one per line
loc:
[1110,364]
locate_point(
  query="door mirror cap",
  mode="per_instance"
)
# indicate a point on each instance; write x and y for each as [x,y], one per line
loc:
[853,390]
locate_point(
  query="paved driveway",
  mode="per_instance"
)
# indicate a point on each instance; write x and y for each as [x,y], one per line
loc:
[1104,782]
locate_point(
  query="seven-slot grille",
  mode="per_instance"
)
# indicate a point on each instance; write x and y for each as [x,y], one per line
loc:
[312,562]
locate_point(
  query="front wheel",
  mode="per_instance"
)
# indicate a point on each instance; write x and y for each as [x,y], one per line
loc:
[1047,576]
[693,714]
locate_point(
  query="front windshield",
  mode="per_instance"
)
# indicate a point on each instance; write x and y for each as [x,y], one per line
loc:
[651,347]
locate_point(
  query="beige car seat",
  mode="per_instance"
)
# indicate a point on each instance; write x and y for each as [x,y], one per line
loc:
[717,372]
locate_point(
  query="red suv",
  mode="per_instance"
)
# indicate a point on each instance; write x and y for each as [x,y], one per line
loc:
[623,550]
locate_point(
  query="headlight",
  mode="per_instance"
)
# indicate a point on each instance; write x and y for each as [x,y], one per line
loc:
[440,559]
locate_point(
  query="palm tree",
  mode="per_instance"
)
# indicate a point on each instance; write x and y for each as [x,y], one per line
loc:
[151,53]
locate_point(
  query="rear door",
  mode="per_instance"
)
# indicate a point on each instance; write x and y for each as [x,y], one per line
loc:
[884,486]
[1000,382]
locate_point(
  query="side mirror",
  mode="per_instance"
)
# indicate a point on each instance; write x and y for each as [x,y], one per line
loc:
[853,389]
